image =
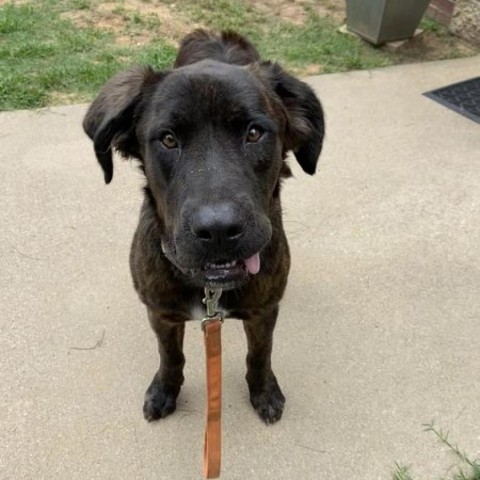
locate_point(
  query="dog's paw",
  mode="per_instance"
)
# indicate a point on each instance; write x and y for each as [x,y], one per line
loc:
[268,401]
[160,401]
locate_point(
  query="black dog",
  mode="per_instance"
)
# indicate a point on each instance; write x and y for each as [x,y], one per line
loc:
[212,135]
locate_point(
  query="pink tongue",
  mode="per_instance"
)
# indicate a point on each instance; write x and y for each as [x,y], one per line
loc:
[253,264]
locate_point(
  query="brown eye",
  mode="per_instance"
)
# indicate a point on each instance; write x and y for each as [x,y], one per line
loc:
[254,134]
[169,141]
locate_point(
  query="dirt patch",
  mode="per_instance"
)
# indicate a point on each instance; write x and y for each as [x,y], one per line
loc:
[10,2]
[134,22]
[306,70]
[290,10]
[333,9]
[429,46]
[62,98]
[296,11]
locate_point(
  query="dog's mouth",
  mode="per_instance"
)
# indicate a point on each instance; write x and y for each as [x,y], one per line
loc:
[250,265]
[228,274]
[223,273]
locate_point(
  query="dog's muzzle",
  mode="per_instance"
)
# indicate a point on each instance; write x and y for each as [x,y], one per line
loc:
[219,244]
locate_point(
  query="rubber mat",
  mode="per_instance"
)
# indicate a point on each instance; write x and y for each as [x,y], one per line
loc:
[463,97]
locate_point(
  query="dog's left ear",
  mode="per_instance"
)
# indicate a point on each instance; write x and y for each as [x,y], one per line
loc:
[306,126]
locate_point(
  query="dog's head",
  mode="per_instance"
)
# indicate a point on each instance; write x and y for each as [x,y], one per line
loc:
[212,138]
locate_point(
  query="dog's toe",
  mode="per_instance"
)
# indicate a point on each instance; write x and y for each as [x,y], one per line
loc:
[268,402]
[160,401]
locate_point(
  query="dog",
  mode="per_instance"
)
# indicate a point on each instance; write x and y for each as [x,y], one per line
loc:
[211,135]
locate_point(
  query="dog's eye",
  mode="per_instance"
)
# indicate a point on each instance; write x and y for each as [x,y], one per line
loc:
[169,141]
[254,134]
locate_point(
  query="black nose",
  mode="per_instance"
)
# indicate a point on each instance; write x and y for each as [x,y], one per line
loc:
[217,225]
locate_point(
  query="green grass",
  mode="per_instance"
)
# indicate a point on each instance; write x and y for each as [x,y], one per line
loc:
[432,26]
[318,42]
[402,472]
[466,469]
[56,51]
[44,56]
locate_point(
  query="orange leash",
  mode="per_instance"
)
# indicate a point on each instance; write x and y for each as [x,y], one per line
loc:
[212,328]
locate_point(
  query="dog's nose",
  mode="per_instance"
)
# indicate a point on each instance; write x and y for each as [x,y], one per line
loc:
[218,225]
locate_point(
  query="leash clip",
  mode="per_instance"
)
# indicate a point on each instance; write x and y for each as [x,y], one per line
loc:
[212,295]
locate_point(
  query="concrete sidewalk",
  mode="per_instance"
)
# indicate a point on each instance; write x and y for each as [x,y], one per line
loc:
[378,334]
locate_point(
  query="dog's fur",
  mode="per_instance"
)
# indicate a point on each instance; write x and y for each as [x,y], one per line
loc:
[211,136]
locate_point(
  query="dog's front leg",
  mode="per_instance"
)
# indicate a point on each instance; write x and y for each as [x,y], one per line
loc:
[265,394]
[161,395]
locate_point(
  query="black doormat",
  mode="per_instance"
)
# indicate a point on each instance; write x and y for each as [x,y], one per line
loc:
[463,97]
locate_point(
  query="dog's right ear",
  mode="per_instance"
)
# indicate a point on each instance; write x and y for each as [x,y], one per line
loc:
[110,120]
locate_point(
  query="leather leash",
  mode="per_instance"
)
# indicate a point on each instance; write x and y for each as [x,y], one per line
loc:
[212,328]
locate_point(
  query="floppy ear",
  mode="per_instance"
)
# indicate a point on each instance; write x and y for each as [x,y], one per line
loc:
[306,127]
[110,120]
